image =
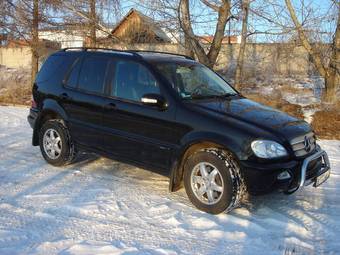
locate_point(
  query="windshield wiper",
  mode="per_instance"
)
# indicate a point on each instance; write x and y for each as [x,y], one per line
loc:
[202,96]
[229,95]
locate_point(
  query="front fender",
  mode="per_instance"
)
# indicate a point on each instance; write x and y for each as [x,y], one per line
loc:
[225,142]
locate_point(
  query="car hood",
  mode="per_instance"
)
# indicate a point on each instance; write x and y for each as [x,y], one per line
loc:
[253,113]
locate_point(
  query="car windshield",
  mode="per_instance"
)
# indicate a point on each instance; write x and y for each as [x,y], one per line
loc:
[195,81]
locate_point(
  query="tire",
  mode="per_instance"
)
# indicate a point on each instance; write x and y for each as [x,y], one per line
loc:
[222,192]
[62,145]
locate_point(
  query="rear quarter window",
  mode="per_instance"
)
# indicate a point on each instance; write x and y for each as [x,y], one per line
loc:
[54,68]
[93,74]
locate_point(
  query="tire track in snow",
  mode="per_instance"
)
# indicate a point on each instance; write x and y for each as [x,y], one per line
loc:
[104,204]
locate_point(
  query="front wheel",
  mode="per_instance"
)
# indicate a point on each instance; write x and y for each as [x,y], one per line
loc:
[55,143]
[213,181]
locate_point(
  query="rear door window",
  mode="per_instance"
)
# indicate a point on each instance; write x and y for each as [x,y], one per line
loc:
[72,80]
[93,73]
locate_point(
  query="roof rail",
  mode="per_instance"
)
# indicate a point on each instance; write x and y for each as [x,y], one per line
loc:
[161,52]
[133,52]
[72,48]
[94,49]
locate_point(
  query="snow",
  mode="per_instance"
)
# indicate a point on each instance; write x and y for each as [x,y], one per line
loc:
[99,206]
[300,90]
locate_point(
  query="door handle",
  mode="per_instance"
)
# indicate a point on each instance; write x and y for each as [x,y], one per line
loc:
[64,96]
[110,106]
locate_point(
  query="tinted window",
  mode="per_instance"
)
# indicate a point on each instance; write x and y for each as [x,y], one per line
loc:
[72,80]
[195,81]
[132,80]
[54,68]
[92,74]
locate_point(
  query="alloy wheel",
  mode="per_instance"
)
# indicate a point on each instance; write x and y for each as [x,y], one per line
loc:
[207,183]
[52,143]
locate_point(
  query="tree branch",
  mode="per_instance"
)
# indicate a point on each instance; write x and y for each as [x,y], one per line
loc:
[210,5]
[304,40]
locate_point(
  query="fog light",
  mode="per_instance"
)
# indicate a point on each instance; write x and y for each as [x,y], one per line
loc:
[284,176]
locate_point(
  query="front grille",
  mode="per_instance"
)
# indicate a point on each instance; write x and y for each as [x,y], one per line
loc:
[304,144]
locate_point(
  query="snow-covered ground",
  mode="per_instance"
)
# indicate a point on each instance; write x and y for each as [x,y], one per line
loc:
[300,90]
[99,206]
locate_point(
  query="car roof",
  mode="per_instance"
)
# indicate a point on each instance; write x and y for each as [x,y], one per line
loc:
[149,56]
[164,57]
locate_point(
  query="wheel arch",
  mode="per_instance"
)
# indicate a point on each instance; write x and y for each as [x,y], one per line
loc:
[201,142]
[51,110]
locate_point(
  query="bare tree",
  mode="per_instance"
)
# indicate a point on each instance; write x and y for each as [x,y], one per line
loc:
[330,72]
[223,9]
[165,14]
[333,82]
[89,14]
[22,22]
[23,19]
[3,21]
[35,40]
[240,59]
[93,25]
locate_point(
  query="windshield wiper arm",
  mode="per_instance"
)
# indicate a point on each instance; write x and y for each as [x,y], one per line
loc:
[199,96]
[203,96]
[229,95]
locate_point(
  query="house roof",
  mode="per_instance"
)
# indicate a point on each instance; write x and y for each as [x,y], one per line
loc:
[147,20]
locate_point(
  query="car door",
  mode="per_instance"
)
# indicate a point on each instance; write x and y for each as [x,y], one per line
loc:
[83,99]
[137,132]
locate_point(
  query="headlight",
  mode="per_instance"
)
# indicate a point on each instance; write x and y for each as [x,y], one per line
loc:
[268,149]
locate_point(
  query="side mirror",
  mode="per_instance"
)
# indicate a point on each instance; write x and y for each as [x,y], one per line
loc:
[155,100]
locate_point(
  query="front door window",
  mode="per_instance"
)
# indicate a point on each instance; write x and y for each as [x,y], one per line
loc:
[133,80]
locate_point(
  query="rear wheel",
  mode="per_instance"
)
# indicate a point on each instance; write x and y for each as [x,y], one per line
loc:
[213,181]
[55,143]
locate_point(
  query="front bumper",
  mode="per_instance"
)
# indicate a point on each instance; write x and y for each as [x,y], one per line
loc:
[325,168]
[263,178]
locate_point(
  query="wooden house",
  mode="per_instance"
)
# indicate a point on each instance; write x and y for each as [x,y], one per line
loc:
[135,27]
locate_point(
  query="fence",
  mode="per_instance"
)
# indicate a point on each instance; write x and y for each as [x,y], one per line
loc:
[260,59]
[20,57]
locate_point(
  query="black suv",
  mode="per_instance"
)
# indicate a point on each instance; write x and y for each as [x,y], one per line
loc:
[168,113]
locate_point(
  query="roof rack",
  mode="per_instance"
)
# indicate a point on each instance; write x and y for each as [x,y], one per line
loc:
[160,52]
[94,49]
[133,52]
